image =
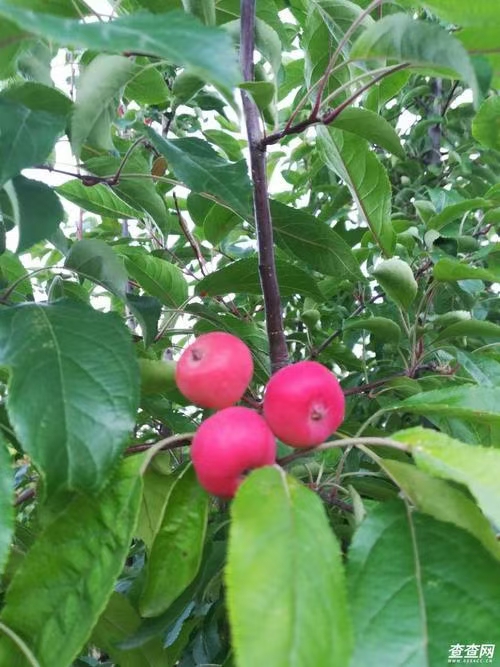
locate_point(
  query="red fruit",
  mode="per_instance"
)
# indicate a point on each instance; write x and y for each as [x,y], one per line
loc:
[228,444]
[304,404]
[214,371]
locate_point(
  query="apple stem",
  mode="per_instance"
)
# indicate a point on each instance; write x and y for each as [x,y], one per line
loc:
[267,265]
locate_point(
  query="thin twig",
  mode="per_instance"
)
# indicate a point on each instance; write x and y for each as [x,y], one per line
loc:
[190,238]
[345,442]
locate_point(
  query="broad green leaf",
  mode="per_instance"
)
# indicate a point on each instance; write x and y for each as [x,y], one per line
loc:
[178,545]
[451,270]
[157,489]
[136,187]
[303,236]
[175,36]
[243,276]
[480,404]
[478,328]
[386,90]
[380,327]
[471,465]
[454,211]
[486,124]
[219,221]
[118,622]
[370,126]
[147,86]
[73,391]
[201,169]
[12,271]
[99,199]
[484,370]
[442,501]
[93,533]
[95,260]
[202,9]
[12,43]
[284,576]
[36,210]
[352,159]
[407,571]
[98,85]
[156,276]
[397,280]
[6,503]
[75,8]
[27,137]
[401,38]
[37,97]
[147,311]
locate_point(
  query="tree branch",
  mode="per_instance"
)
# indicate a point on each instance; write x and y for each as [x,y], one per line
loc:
[267,265]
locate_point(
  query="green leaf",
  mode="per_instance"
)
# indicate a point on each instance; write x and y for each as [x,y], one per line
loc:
[409,571]
[147,311]
[422,44]
[27,137]
[11,271]
[157,489]
[473,466]
[73,392]
[178,546]
[36,209]
[451,270]
[93,534]
[95,260]
[156,276]
[261,91]
[486,124]
[6,504]
[442,501]
[303,236]
[219,221]
[243,276]
[118,622]
[99,199]
[175,36]
[98,85]
[470,402]
[397,280]
[454,211]
[76,8]
[352,159]
[201,169]
[380,327]
[481,12]
[370,126]
[148,85]
[138,192]
[37,97]
[280,613]
[12,43]
[479,328]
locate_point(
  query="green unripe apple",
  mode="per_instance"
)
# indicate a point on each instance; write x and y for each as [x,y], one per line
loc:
[157,377]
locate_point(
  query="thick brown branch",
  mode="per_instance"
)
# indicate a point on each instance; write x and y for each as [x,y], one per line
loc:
[267,265]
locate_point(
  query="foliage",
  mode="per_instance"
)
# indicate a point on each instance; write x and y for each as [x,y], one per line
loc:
[378,126]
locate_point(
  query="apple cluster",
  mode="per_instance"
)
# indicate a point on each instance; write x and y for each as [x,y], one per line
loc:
[303,405]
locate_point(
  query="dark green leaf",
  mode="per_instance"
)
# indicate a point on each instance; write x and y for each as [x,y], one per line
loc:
[380,327]
[157,489]
[93,533]
[37,210]
[73,391]
[177,548]
[38,97]
[99,199]
[486,124]
[275,546]
[12,271]
[454,211]
[201,169]
[243,276]
[408,571]
[147,310]
[6,504]
[451,270]
[27,137]
[301,235]
[479,328]
[175,36]
[95,260]
[370,126]
[470,402]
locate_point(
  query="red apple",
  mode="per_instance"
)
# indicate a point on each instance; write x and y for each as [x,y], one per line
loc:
[227,445]
[304,404]
[215,370]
